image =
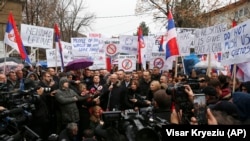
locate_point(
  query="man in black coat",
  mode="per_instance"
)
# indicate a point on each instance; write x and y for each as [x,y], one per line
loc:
[113,95]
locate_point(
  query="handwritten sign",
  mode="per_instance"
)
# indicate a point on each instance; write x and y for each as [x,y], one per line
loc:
[236,44]
[208,40]
[36,36]
[185,39]
[84,46]
[53,55]
[99,61]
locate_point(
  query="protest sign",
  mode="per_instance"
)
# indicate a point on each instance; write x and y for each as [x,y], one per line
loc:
[36,36]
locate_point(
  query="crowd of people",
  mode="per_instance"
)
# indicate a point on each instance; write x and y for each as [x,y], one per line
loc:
[71,103]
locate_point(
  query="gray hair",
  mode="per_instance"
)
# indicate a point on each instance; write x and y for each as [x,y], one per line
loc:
[71,126]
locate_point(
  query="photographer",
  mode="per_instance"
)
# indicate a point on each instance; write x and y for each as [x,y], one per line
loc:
[40,116]
[182,98]
[50,87]
[4,89]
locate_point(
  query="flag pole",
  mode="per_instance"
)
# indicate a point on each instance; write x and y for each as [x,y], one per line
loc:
[4,68]
[183,65]
[234,23]
[234,76]
[209,65]
[37,58]
[175,67]
[56,58]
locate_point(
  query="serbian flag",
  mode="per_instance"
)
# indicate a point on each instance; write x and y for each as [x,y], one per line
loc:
[140,44]
[58,44]
[13,39]
[234,23]
[172,46]
[161,44]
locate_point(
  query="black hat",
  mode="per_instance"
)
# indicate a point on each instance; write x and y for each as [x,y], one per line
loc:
[210,91]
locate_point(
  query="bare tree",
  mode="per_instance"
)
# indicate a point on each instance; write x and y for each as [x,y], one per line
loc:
[70,22]
[39,12]
[187,13]
[69,14]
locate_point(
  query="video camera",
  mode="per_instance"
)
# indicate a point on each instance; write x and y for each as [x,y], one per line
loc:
[135,125]
[13,121]
[180,87]
[180,97]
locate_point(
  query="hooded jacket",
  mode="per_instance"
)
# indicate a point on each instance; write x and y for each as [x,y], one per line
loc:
[67,102]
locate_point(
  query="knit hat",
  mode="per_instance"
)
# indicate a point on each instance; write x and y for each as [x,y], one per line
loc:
[62,81]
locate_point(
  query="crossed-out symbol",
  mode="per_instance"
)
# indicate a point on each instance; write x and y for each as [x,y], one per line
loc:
[111,49]
[127,64]
[159,62]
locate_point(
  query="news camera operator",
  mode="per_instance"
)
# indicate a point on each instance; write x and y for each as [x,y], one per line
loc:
[40,116]
[182,98]
[4,89]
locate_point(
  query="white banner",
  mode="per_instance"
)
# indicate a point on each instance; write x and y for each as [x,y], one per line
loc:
[111,46]
[158,60]
[127,62]
[66,52]
[52,55]
[84,46]
[208,40]
[99,60]
[236,44]
[36,36]
[51,58]
[185,41]
[128,44]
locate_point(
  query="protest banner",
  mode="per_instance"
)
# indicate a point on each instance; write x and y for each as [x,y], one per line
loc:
[84,46]
[208,40]
[36,36]
[127,62]
[128,44]
[236,44]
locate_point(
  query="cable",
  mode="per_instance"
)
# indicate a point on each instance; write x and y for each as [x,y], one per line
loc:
[121,16]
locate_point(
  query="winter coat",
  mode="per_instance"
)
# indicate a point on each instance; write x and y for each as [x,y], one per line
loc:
[67,103]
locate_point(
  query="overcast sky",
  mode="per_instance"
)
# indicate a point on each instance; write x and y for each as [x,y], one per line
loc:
[119,23]
[115,25]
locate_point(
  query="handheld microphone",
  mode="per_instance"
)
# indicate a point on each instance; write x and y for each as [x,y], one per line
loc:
[110,87]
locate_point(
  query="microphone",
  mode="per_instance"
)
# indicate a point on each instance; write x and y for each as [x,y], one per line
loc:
[110,88]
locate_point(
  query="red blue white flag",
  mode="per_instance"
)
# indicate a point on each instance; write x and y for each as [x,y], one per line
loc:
[140,44]
[13,38]
[58,44]
[172,46]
